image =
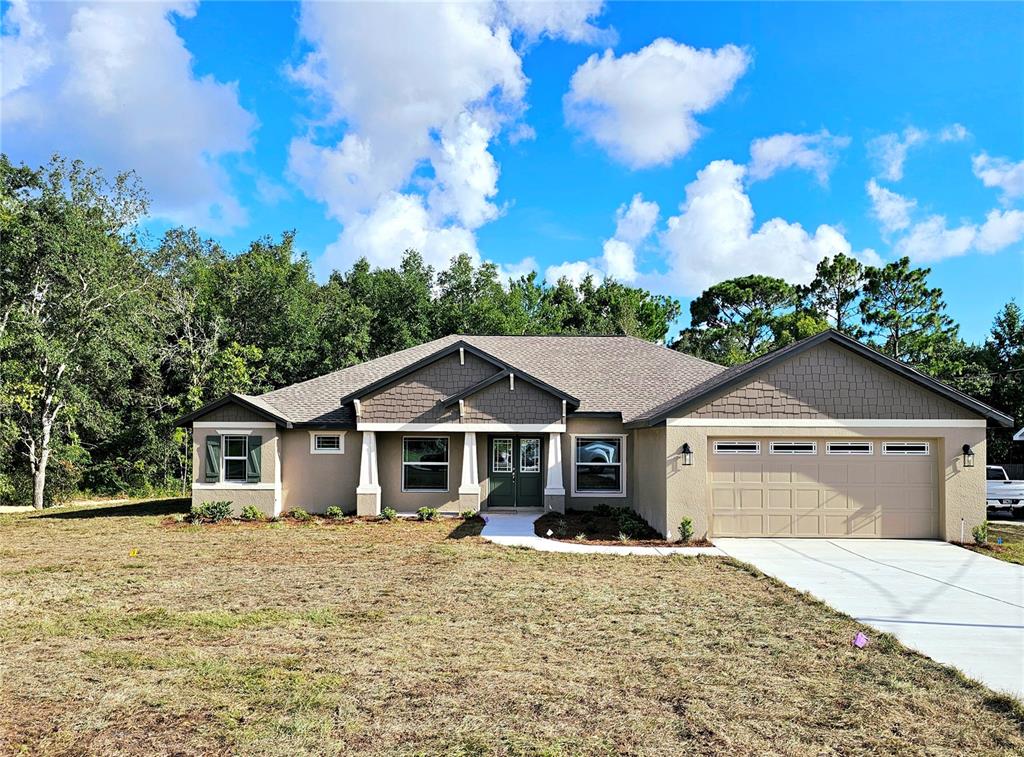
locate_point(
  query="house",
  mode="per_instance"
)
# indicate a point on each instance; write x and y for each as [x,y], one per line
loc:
[823,438]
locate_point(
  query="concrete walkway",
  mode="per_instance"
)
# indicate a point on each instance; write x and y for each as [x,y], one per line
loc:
[956,606]
[516,530]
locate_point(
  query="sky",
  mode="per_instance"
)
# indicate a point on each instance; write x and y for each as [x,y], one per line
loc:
[668,145]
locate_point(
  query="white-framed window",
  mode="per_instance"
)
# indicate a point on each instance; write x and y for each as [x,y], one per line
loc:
[236,451]
[529,455]
[793,448]
[598,468]
[905,448]
[425,463]
[737,448]
[501,455]
[327,442]
[850,448]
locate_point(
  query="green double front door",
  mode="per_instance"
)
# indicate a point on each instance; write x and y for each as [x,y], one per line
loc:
[515,470]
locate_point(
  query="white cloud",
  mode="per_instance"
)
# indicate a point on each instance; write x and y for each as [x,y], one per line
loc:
[932,240]
[114,85]
[1000,230]
[816,153]
[574,271]
[891,209]
[954,133]
[713,238]
[420,112]
[889,151]
[1000,172]
[641,107]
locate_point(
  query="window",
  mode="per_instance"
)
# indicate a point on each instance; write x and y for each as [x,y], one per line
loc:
[501,456]
[850,448]
[529,455]
[236,449]
[905,448]
[425,463]
[995,474]
[326,443]
[737,448]
[793,448]
[597,468]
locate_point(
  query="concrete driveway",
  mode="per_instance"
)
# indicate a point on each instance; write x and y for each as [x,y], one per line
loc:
[956,606]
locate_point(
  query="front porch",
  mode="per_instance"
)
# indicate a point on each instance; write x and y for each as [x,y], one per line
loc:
[511,468]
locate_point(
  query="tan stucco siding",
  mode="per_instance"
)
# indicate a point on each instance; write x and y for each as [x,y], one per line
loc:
[268,453]
[389,462]
[649,478]
[232,413]
[596,427]
[315,482]
[829,381]
[263,495]
[500,403]
[416,398]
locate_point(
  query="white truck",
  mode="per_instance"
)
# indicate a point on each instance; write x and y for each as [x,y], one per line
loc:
[1001,492]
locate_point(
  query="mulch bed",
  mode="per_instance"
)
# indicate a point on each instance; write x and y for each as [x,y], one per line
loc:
[600,529]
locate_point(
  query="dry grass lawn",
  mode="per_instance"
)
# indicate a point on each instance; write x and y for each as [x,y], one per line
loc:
[420,638]
[1005,542]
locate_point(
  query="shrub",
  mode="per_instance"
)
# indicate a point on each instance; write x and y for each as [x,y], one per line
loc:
[623,537]
[468,514]
[334,512]
[580,536]
[251,512]
[299,514]
[388,513]
[427,513]
[980,533]
[604,510]
[685,529]
[211,512]
[631,524]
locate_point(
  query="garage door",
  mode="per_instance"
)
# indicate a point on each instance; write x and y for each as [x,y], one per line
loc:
[824,487]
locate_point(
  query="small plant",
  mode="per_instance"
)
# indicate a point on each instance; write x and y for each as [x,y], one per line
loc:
[623,537]
[388,513]
[580,536]
[468,514]
[604,510]
[251,512]
[427,513]
[685,530]
[300,515]
[334,512]
[980,533]
[210,512]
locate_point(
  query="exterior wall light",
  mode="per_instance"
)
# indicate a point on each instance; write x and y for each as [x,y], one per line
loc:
[968,456]
[688,454]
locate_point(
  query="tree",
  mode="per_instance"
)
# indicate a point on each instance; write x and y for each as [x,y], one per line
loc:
[903,315]
[80,315]
[1004,349]
[834,292]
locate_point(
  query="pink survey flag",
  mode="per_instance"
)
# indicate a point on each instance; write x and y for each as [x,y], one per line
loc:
[860,640]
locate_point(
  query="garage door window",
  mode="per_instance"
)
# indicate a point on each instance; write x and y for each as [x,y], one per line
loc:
[905,448]
[850,448]
[737,448]
[794,448]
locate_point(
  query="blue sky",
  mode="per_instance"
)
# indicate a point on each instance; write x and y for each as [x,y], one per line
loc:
[670,145]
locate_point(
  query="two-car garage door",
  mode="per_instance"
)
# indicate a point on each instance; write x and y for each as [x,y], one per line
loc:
[824,487]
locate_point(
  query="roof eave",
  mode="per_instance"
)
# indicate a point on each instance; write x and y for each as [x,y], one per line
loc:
[187,420]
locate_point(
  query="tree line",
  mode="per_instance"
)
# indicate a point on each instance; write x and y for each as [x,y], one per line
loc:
[107,335]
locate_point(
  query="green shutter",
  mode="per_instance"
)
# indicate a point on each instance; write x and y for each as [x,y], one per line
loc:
[252,461]
[213,458]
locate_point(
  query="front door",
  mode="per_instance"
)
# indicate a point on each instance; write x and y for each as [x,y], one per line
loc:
[515,470]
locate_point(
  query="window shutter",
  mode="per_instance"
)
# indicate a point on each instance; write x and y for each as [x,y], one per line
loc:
[213,458]
[252,461]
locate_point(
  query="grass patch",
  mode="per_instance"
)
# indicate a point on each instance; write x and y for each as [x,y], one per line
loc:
[421,638]
[1012,547]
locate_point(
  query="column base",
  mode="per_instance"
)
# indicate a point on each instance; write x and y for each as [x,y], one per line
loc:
[554,500]
[368,501]
[469,498]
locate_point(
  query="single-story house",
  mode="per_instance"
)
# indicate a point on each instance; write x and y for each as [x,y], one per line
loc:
[823,438]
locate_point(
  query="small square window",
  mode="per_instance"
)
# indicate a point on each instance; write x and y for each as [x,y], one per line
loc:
[737,448]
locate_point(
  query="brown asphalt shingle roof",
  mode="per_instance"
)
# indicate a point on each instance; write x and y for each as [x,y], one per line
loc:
[606,373]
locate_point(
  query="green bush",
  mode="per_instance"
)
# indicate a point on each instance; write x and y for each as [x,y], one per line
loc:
[631,524]
[427,513]
[685,529]
[467,514]
[251,512]
[389,513]
[334,512]
[211,512]
[980,533]
[299,514]
[604,510]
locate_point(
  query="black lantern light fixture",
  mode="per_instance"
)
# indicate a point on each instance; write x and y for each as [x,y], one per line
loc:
[968,456]
[687,454]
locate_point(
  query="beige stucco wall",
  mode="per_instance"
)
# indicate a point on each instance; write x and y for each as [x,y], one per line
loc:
[648,476]
[315,482]
[961,490]
[389,469]
[577,426]
[262,495]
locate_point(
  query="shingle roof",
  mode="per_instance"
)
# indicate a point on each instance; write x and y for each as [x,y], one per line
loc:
[606,373]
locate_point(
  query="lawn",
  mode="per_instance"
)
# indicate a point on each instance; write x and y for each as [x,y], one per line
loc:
[421,638]
[1012,547]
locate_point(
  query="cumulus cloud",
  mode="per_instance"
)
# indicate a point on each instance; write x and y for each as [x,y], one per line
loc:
[954,133]
[114,85]
[419,115]
[574,271]
[641,107]
[891,209]
[816,153]
[713,237]
[889,151]
[1001,173]
[933,240]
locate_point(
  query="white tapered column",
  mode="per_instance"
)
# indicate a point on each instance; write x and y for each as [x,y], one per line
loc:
[469,489]
[368,491]
[554,490]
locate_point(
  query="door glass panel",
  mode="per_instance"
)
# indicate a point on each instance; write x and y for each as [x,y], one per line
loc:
[529,455]
[501,456]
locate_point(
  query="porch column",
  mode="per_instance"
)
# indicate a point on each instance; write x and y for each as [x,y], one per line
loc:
[554,491]
[368,491]
[469,490]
